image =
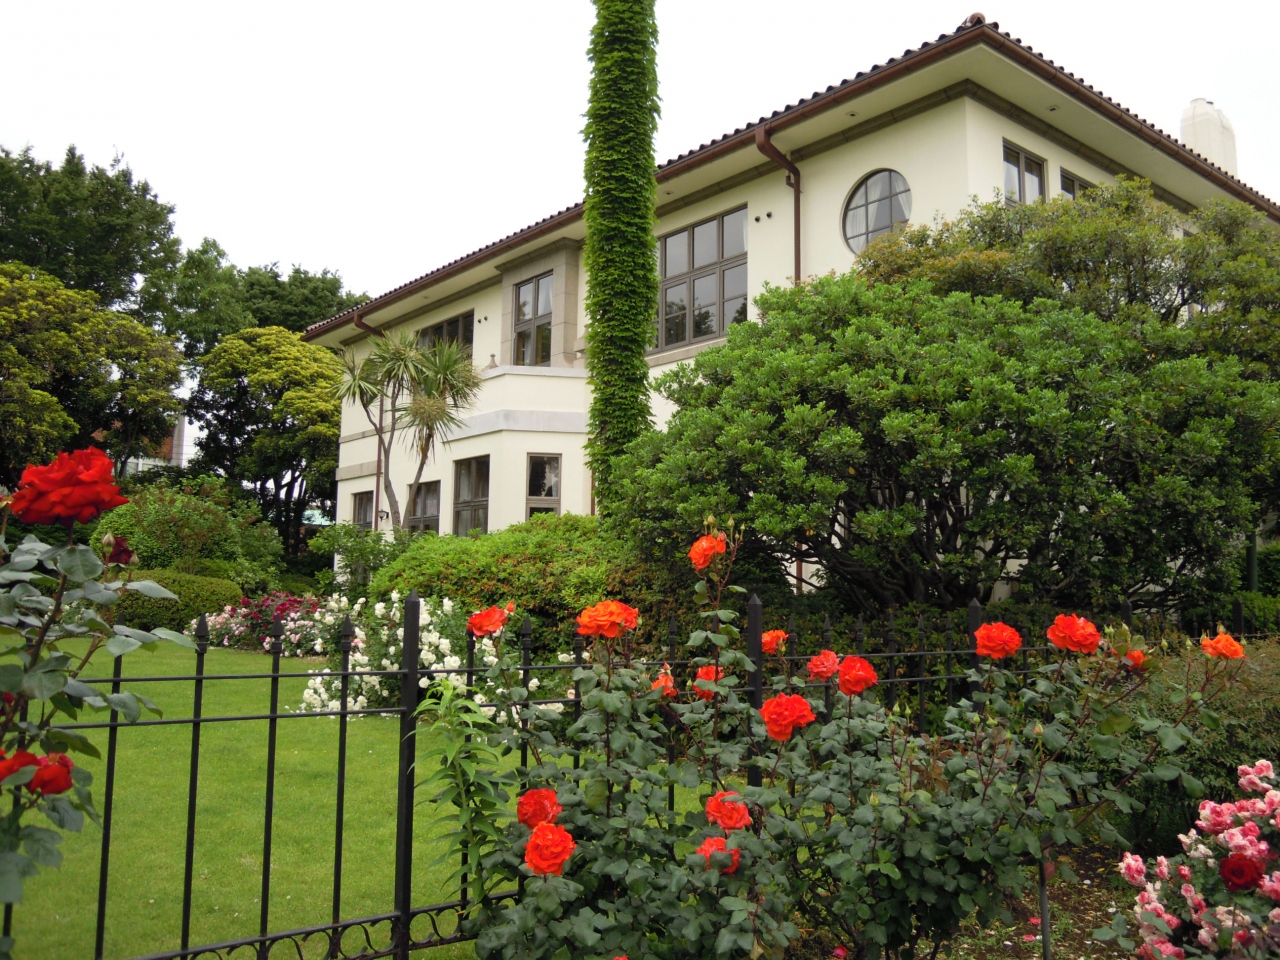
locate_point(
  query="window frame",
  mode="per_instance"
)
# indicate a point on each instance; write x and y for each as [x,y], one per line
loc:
[466,321]
[717,267]
[423,521]
[534,322]
[1079,185]
[848,201]
[1023,156]
[543,504]
[459,505]
[358,500]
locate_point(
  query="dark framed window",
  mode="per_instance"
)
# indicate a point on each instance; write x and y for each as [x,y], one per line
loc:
[362,510]
[704,280]
[1073,186]
[544,484]
[533,322]
[459,329]
[879,204]
[424,507]
[1023,176]
[470,496]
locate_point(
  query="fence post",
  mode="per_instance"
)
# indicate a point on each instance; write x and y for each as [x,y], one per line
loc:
[264,914]
[109,795]
[197,708]
[975,621]
[1237,616]
[526,661]
[1046,952]
[345,635]
[755,653]
[673,634]
[403,902]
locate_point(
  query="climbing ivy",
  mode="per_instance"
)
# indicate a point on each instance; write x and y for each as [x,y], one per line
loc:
[622,279]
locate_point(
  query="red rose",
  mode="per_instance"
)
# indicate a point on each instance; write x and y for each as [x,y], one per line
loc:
[548,848]
[607,619]
[486,622]
[1223,645]
[716,845]
[10,766]
[856,674]
[997,640]
[710,674]
[728,810]
[771,640]
[537,806]
[784,713]
[1135,659]
[54,775]
[1074,633]
[75,488]
[824,665]
[705,549]
[665,682]
[1239,872]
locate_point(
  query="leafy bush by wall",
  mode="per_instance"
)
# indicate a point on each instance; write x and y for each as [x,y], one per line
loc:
[196,595]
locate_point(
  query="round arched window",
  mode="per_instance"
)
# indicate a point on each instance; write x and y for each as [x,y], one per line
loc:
[881,202]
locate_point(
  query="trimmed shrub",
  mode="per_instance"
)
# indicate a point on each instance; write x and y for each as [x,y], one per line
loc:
[196,595]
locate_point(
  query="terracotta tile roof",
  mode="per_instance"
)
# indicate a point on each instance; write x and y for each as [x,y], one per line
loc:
[970,31]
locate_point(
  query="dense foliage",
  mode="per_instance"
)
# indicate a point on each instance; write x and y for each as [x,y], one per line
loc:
[187,597]
[622,279]
[920,448]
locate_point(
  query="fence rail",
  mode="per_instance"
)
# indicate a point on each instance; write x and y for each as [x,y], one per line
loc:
[902,659]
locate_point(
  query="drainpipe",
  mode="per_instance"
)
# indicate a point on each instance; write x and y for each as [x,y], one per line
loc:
[765,146]
[377,470]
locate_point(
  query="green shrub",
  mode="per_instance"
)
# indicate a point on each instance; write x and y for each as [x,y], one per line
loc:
[196,595]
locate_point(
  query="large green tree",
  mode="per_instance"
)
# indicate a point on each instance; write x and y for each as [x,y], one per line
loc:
[266,402]
[95,228]
[72,374]
[295,301]
[921,448]
[622,279]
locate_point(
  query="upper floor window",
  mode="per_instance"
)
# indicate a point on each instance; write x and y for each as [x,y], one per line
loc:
[544,484]
[424,507]
[533,322]
[1073,186]
[704,280]
[1023,176]
[879,204]
[470,496]
[459,329]
[362,510]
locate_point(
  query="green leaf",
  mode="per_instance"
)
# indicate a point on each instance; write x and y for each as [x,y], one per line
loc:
[43,684]
[594,793]
[181,639]
[1166,771]
[1170,739]
[79,564]
[149,588]
[1107,748]
[120,645]
[14,867]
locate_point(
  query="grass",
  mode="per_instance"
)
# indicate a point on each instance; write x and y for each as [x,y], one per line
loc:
[144,902]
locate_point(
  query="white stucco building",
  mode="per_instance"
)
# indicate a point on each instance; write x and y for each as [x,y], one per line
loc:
[796,192]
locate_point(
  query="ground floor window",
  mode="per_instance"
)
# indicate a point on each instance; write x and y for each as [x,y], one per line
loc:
[544,484]
[471,496]
[362,510]
[424,507]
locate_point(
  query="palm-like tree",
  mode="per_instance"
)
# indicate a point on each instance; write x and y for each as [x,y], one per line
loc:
[448,386]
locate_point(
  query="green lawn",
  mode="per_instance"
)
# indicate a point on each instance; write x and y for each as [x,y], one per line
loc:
[144,904]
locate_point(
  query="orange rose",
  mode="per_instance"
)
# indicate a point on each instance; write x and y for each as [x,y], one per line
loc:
[75,488]
[997,640]
[548,848]
[1223,645]
[728,810]
[710,674]
[705,549]
[537,806]
[716,845]
[784,713]
[1135,659]
[665,682]
[856,674]
[771,640]
[486,622]
[1074,633]
[607,618]
[824,665]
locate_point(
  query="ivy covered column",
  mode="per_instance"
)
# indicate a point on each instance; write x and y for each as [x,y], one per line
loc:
[622,277]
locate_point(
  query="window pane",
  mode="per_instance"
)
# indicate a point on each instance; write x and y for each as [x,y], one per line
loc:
[735,281]
[451,329]
[859,196]
[544,297]
[705,300]
[735,234]
[901,212]
[1012,178]
[465,484]
[674,311]
[482,478]
[524,348]
[897,181]
[1035,178]
[533,510]
[878,215]
[1068,186]
[524,301]
[706,249]
[468,329]
[677,253]
[427,501]
[544,343]
[544,476]
[855,222]
[735,310]
[878,186]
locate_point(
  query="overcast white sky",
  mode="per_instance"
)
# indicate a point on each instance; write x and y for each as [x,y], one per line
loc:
[382,139]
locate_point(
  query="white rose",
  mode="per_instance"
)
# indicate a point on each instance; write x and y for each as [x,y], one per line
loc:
[447,605]
[534,684]
[395,596]
[452,663]
[565,657]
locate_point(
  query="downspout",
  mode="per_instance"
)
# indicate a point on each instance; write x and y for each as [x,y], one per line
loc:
[377,470]
[765,146]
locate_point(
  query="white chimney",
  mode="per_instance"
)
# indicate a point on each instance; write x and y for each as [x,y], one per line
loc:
[1207,131]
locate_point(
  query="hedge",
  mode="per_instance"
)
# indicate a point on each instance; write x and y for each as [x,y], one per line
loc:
[196,595]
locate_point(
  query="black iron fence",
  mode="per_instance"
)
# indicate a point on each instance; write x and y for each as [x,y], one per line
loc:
[924,668]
